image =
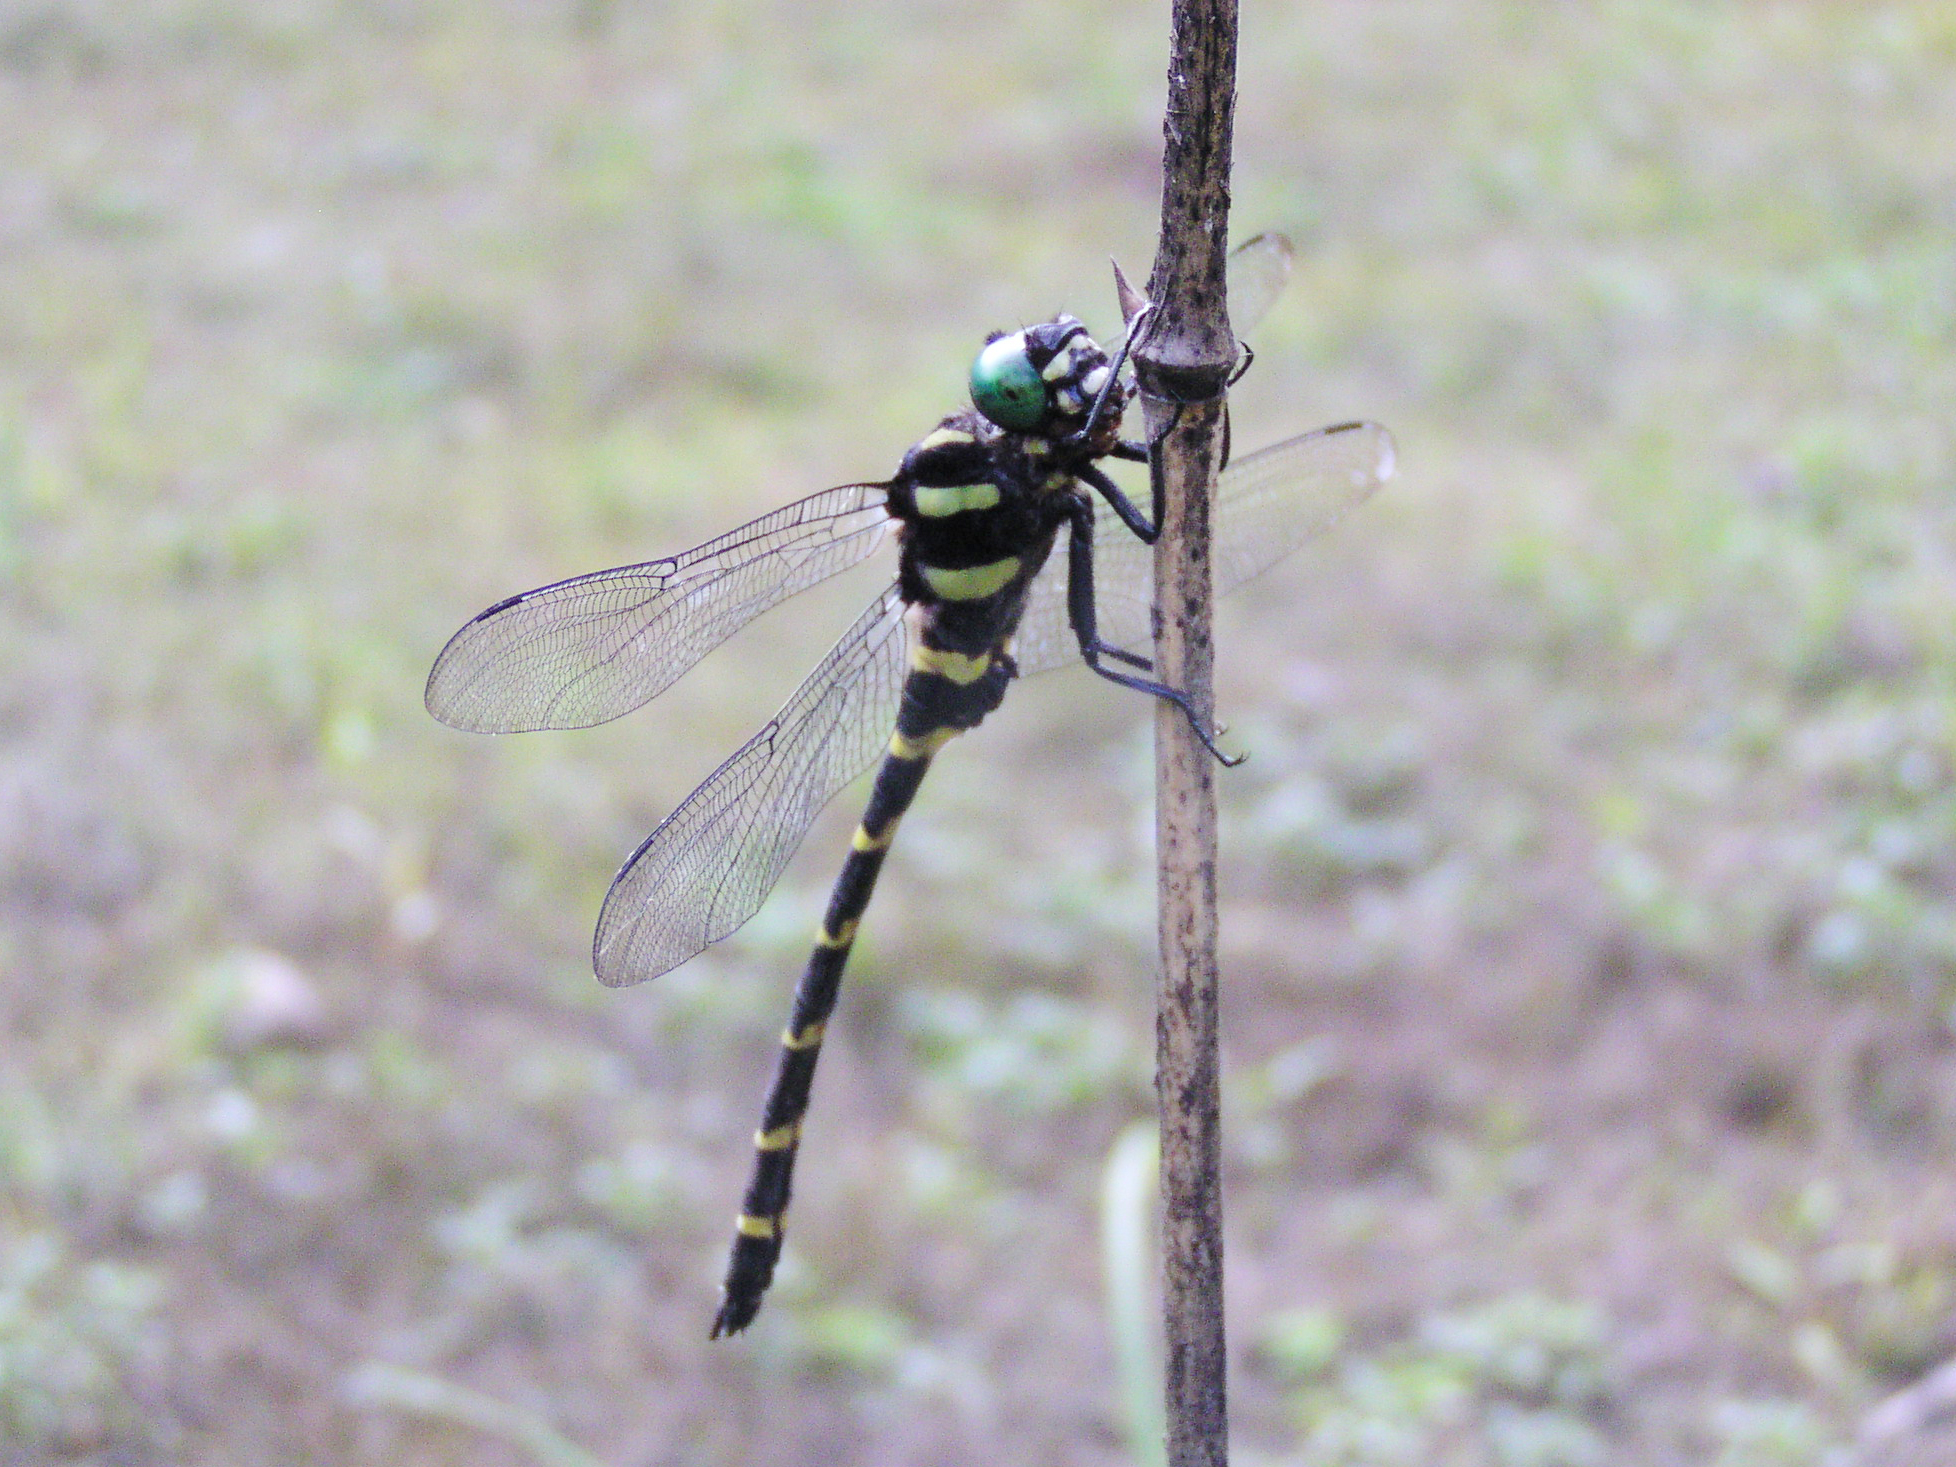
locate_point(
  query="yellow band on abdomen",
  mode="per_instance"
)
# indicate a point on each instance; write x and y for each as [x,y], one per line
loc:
[863,841]
[953,667]
[923,748]
[842,937]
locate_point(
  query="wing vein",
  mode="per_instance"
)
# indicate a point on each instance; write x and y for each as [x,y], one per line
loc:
[711,863]
[585,650]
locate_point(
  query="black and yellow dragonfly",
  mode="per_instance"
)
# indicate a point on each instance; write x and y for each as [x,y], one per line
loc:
[977,507]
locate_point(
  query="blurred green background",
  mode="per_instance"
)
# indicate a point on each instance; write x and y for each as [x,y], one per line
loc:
[1590,898]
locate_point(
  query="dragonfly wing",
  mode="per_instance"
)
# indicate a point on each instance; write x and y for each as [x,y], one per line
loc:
[1124,594]
[1259,269]
[711,863]
[1280,498]
[584,651]
[1267,505]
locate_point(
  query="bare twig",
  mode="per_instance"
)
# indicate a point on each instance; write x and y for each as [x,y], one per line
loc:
[1184,364]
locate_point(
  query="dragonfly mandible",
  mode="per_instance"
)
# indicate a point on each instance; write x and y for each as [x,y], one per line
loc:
[978,507]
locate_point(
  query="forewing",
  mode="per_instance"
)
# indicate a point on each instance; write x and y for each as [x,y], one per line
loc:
[711,863]
[586,650]
[1259,269]
[1267,505]
[1280,498]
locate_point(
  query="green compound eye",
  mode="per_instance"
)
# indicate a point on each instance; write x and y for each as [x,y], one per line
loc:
[1006,387]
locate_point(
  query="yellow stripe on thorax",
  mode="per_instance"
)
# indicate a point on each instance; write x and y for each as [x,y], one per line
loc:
[807,1039]
[939,437]
[1057,482]
[841,938]
[749,1226]
[935,503]
[972,583]
[779,1139]
[953,667]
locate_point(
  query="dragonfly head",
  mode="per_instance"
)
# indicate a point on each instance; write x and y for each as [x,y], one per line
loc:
[1044,379]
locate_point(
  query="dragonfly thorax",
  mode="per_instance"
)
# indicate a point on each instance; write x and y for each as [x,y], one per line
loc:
[1045,379]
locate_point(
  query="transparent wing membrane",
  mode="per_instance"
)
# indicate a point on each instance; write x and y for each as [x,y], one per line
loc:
[1279,499]
[584,651]
[1259,269]
[1268,505]
[711,863]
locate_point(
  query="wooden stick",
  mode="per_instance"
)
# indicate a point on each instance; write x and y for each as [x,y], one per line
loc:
[1186,358]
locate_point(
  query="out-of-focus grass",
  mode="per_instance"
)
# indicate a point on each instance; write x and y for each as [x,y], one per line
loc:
[1515,1381]
[1592,920]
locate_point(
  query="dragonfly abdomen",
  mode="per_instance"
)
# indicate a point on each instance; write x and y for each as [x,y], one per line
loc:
[945,693]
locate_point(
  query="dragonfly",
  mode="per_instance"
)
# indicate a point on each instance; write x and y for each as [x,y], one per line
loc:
[977,508]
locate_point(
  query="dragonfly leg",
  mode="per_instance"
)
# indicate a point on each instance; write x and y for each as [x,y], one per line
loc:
[1080,610]
[1121,654]
[1157,484]
[1144,530]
